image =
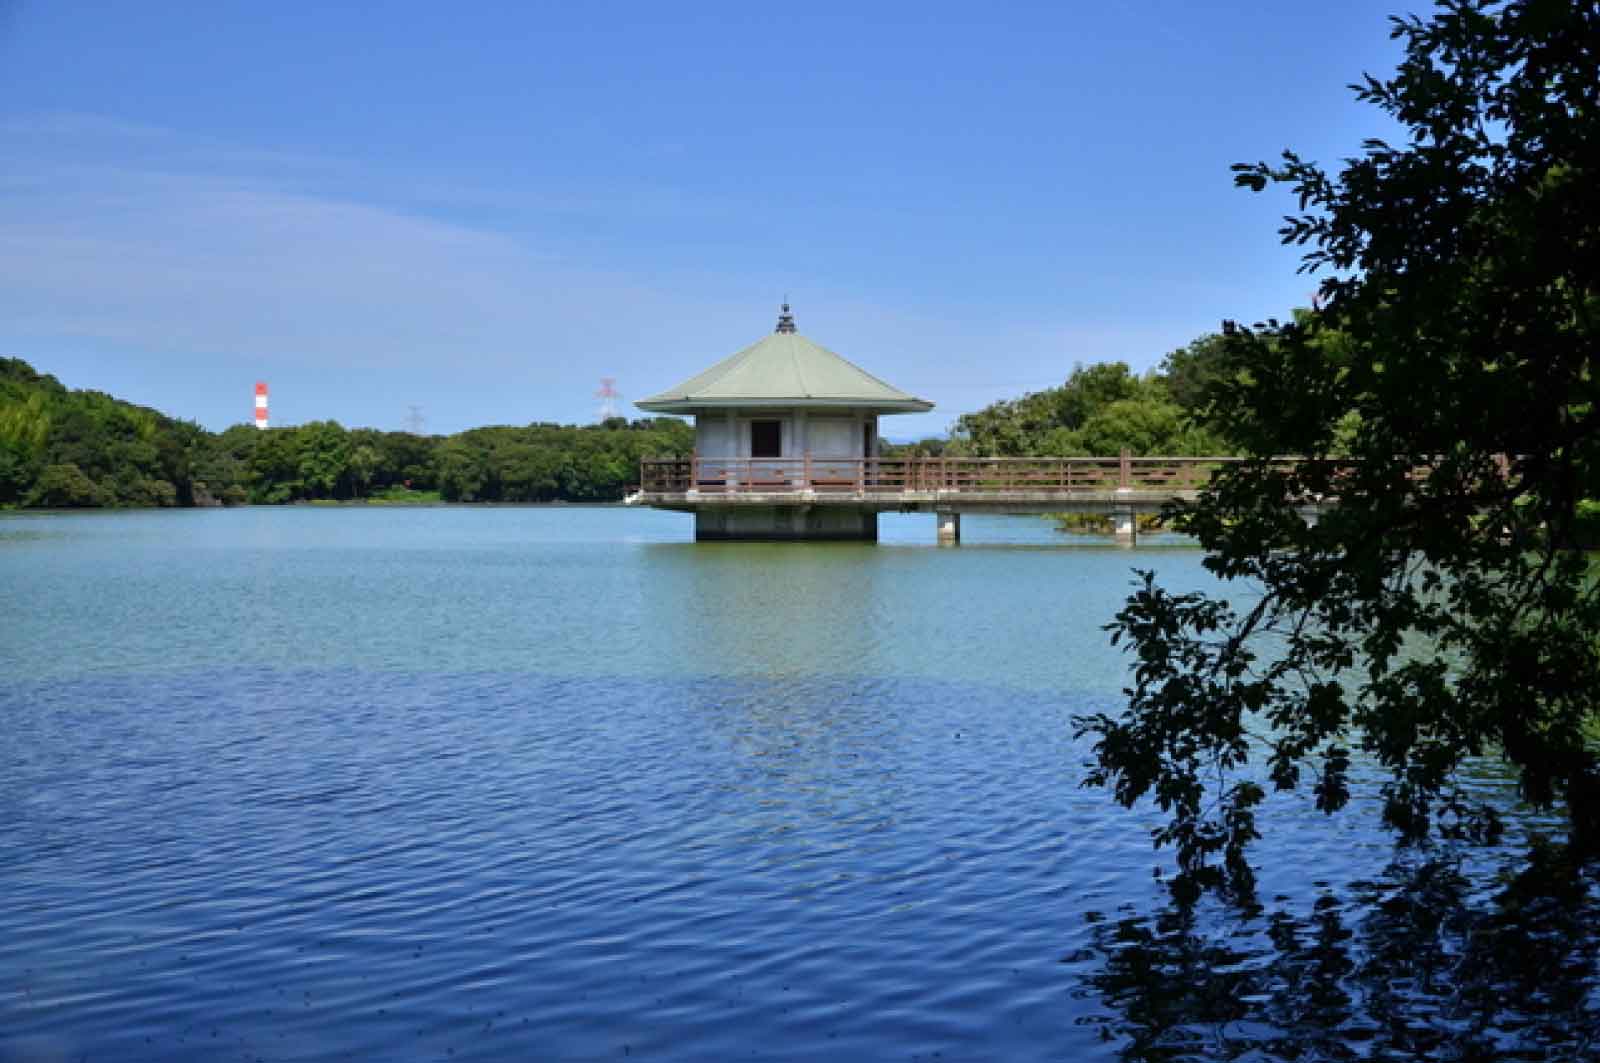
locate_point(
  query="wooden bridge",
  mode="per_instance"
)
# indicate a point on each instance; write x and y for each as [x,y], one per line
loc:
[1121,487]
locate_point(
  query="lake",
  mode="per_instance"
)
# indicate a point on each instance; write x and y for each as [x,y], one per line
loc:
[559,783]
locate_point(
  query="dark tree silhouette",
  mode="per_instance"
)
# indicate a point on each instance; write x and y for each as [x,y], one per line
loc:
[1436,610]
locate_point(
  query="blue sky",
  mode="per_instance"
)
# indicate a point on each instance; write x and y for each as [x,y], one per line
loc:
[481,208]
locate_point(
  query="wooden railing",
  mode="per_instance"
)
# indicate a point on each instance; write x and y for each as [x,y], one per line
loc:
[899,475]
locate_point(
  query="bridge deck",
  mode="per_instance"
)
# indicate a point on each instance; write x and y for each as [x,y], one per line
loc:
[995,484]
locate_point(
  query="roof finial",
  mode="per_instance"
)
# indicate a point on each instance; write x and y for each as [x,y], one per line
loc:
[785,319]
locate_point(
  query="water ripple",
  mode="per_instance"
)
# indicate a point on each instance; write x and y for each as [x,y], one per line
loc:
[446,786]
[482,866]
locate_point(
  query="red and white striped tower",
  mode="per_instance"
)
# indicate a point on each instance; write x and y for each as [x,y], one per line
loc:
[261,404]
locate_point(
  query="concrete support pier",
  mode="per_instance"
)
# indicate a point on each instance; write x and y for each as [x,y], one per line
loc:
[785,523]
[949,527]
[1125,523]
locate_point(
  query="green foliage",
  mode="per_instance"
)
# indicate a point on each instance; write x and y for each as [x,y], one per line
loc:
[463,470]
[364,462]
[322,459]
[1191,371]
[1586,525]
[64,487]
[1101,410]
[1102,523]
[16,472]
[404,496]
[1145,426]
[1446,393]
[83,448]
[545,463]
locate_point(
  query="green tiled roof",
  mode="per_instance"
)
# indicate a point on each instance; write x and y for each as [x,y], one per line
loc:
[784,369]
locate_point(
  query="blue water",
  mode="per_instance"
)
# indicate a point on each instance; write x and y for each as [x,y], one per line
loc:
[558,783]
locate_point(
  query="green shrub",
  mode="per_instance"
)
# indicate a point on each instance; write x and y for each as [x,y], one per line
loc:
[64,487]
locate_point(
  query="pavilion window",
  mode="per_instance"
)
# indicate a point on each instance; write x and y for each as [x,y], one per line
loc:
[766,439]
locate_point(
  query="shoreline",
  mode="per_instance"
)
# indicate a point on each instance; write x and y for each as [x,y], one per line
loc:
[341,503]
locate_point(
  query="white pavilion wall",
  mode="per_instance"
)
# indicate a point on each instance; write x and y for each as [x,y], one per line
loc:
[828,435]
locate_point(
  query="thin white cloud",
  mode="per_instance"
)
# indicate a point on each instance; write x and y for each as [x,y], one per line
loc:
[128,237]
[210,263]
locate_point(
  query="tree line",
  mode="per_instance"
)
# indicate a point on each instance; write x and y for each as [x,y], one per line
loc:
[63,448]
[1100,410]
[76,448]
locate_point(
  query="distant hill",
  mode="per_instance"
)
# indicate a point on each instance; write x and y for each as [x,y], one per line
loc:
[85,448]
[62,448]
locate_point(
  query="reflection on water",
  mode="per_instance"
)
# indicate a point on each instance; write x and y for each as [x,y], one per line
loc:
[772,610]
[558,783]
[1419,963]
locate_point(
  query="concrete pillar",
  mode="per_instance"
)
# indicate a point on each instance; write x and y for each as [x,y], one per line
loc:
[1126,525]
[709,525]
[800,448]
[949,527]
[785,524]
